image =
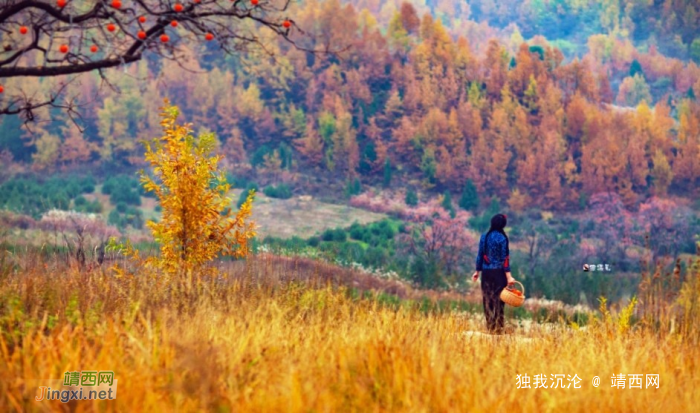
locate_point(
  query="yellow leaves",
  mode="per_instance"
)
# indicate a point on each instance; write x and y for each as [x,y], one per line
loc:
[570,171]
[661,172]
[195,226]
[518,201]
[623,321]
[48,149]
[609,322]
[249,102]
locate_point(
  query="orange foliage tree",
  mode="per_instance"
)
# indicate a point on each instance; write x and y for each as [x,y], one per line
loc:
[197,223]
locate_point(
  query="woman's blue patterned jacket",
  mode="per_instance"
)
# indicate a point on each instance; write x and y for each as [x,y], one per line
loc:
[493,253]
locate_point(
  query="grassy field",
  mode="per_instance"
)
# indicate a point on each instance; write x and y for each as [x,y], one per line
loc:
[277,217]
[289,217]
[263,338]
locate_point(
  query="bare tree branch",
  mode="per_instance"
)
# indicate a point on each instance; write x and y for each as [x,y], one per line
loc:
[74,39]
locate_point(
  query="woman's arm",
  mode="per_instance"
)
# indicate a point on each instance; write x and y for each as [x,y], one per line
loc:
[480,255]
[506,262]
[479,260]
[506,253]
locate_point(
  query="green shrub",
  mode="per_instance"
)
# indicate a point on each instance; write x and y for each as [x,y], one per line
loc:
[134,217]
[470,198]
[327,235]
[339,235]
[695,50]
[388,231]
[483,222]
[258,157]
[387,173]
[447,203]
[335,235]
[131,217]
[60,200]
[411,197]
[70,186]
[114,218]
[353,187]
[281,191]
[636,67]
[376,257]
[108,186]
[80,204]
[94,207]
[87,184]
[122,188]
[356,232]
[238,182]
[33,195]
[296,243]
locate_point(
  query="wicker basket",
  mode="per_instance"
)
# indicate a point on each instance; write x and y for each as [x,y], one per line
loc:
[511,298]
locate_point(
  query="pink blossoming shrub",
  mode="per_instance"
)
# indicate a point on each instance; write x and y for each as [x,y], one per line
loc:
[393,204]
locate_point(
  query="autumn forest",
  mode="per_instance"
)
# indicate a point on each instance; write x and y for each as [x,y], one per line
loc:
[443,101]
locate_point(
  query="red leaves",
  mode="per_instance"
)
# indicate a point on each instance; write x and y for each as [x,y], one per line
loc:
[436,235]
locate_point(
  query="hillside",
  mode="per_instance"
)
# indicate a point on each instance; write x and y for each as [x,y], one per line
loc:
[436,102]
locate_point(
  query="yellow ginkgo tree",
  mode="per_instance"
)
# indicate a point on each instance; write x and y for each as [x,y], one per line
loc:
[197,223]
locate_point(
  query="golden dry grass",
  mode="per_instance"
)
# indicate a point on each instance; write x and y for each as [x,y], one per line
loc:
[247,344]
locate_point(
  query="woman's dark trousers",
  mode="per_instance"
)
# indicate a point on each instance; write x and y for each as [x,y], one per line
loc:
[492,283]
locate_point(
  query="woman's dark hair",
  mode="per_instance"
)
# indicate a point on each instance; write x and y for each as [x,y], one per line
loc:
[498,222]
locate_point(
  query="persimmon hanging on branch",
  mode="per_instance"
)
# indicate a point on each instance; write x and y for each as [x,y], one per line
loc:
[35,33]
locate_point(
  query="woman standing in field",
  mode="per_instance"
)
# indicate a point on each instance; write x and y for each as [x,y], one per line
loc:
[492,261]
